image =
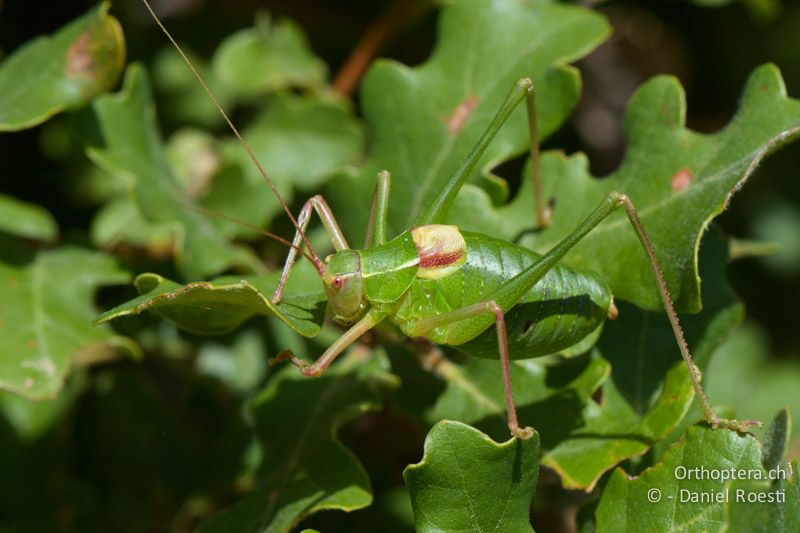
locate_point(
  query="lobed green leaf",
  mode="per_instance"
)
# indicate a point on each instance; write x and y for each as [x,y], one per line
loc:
[268,57]
[662,498]
[131,145]
[219,306]
[423,120]
[46,308]
[25,219]
[65,71]
[182,99]
[302,142]
[305,467]
[468,482]
[667,170]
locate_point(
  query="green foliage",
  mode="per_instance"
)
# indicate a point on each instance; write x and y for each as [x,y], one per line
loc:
[666,168]
[448,487]
[213,308]
[201,434]
[26,220]
[285,135]
[549,394]
[51,74]
[667,496]
[131,146]
[745,378]
[182,98]
[776,440]
[268,57]
[755,511]
[305,468]
[32,420]
[425,119]
[46,316]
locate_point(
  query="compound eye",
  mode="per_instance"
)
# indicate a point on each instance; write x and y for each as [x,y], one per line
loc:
[338,281]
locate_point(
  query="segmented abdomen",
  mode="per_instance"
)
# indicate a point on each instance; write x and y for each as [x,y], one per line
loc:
[560,310]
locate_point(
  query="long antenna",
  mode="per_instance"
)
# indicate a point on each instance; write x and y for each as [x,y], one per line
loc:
[229,218]
[314,258]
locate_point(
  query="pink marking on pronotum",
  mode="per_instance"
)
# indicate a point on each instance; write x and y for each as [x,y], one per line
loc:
[437,258]
[441,250]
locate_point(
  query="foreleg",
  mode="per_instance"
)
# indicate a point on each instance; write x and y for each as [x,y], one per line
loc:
[318,204]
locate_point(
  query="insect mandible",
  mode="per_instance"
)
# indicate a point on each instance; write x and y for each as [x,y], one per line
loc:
[481,295]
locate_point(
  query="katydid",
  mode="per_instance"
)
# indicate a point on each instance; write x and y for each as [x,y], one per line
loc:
[483,296]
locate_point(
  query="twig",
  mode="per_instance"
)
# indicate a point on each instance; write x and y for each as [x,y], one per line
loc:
[397,15]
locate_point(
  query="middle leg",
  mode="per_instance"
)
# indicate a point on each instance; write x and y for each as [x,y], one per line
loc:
[369,321]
